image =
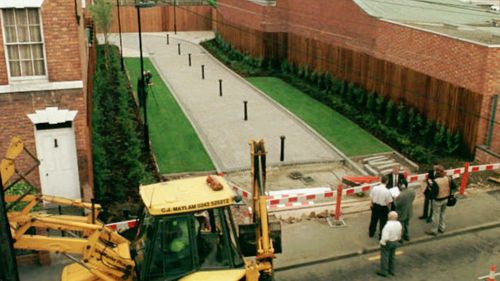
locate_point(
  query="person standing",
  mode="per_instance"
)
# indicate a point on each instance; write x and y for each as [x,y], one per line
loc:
[381,200]
[441,189]
[427,214]
[391,234]
[404,208]
[396,179]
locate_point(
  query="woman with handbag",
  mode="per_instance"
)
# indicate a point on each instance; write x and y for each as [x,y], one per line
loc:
[442,188]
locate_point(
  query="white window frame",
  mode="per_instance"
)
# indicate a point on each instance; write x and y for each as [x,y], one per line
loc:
[21,79]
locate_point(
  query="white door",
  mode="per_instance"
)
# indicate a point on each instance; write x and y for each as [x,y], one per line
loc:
[56,150]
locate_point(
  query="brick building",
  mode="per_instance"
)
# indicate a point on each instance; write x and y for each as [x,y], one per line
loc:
[441,59]
[43,91]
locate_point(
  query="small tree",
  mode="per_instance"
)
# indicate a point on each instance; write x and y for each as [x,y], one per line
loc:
[440,138]
[402,116]
[102,14]
[453,142]
[379,105]
[389,113]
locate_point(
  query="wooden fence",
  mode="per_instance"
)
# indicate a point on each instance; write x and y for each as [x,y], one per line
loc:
[161,18]
[455,107]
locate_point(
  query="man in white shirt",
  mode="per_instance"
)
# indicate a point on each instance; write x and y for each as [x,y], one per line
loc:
[391,234]
[381,200]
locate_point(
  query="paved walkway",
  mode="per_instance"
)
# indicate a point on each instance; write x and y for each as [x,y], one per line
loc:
[219,120]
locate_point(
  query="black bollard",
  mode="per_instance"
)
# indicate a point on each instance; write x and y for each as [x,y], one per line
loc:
[168,39]
[179,48]
[245,110]
[189,58]
[220,87]
[282,153]
[202,71]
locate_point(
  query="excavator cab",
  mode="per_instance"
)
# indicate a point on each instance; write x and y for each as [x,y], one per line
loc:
[187,232]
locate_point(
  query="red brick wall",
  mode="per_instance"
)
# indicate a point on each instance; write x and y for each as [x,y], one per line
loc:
[484,156]
[344,26]
[15,122]
[60,31]
[64,55]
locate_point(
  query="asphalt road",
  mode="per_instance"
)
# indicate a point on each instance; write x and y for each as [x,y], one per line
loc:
[465,257]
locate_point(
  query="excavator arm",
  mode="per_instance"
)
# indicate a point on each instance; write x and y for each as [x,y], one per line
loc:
[265,246]
[100,253]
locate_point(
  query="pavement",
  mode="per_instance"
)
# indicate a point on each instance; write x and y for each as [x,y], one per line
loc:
[219,121]
[461,258]
[314,241]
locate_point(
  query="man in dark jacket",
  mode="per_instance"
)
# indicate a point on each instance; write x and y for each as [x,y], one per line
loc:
[396,178]
[427,214]
[404,208]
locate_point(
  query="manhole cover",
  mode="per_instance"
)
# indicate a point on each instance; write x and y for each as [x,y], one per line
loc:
[295,175]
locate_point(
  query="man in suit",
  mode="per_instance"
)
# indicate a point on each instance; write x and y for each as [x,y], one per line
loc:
[396,179]
[426,215]
[404,208]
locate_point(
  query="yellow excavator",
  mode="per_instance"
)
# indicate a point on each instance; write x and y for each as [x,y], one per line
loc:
[185,232]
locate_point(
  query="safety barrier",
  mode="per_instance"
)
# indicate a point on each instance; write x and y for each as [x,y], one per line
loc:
[297,200]
[308,199]
[123,225]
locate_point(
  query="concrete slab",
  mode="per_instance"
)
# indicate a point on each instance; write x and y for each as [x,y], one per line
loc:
[374,158]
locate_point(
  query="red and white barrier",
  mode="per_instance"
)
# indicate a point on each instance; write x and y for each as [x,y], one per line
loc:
[123,225]
[299,198]
[324,194]
[291,205]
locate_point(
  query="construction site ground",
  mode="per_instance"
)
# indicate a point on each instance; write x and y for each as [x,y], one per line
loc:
[308,240]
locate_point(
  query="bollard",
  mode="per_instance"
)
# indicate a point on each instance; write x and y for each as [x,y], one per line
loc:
[202,71]
[220,87]
[340,188]
[189,59]
[465,178]
[179,48]
[245,110]
[282,153]
[168,39]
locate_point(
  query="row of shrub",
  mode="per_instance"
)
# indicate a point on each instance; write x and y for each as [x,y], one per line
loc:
[117,149]
[402,127]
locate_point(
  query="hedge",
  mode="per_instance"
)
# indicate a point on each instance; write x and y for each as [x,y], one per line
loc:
[117,149]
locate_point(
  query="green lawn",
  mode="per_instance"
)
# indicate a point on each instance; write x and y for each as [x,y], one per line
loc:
[174,141]
[338,130]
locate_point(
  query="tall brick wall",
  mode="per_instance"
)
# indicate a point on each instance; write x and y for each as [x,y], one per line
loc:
[409,61]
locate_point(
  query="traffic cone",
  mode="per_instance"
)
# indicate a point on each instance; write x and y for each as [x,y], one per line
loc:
[493,270]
